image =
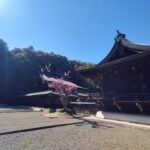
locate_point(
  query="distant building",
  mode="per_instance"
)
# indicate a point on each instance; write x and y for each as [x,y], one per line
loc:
[124,77]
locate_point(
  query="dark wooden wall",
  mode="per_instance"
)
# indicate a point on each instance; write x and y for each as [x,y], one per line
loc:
[128,78]
[125,86]
[131,77]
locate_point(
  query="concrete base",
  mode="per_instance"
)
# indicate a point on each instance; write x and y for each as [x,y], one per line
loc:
[142,119]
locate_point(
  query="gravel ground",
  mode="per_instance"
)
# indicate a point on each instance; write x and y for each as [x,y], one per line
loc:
[66,134]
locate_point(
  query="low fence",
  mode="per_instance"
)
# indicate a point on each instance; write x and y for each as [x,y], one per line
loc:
[88,103]
[80,102]
[130,103]
[133,106]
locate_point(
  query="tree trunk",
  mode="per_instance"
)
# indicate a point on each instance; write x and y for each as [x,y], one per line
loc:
[65,101]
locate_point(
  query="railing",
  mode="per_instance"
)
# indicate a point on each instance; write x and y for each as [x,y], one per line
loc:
[135,106]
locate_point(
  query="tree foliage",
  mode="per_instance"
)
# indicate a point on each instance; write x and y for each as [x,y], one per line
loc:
[79,65]
[63,89]
[3,49]
[20,70]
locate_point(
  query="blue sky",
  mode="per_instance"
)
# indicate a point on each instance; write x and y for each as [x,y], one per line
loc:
[78,29]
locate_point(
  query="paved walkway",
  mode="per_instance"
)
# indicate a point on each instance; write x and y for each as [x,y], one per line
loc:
[121,123]
[32,131]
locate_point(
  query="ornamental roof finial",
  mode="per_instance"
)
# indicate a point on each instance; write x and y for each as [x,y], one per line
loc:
[120,36]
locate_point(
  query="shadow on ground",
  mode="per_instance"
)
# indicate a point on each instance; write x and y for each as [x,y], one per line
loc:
[80,123]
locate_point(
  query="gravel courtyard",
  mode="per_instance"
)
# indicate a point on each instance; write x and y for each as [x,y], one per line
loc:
[32,131]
